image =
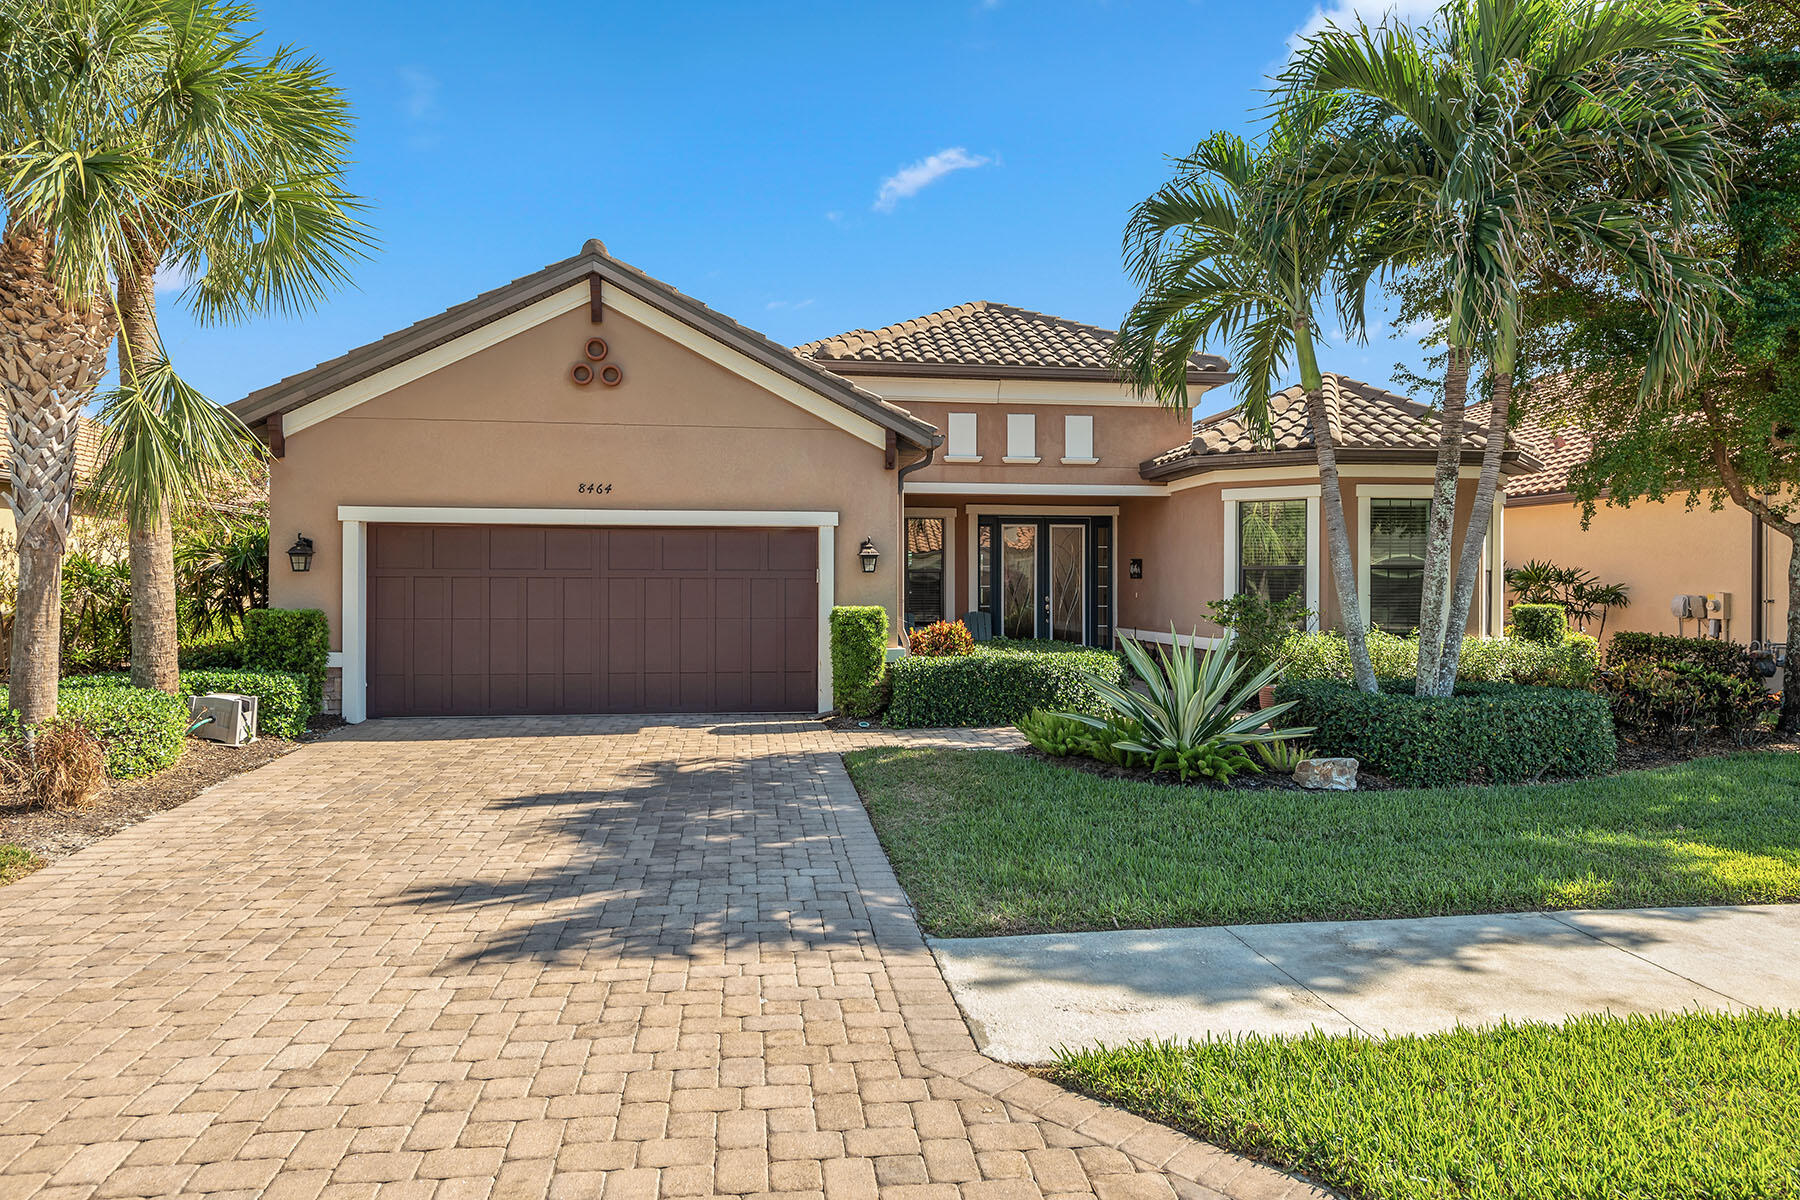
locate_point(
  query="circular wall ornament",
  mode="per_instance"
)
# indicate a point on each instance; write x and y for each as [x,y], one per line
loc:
[610,375]
[596,349]
[582,374]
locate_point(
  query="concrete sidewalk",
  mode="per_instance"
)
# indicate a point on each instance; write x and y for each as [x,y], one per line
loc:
[1026,996]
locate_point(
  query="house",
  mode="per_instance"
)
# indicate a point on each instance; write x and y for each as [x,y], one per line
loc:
[586,491]
[1660,550]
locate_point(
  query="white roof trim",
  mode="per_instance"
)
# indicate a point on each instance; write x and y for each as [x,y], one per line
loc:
[384,514]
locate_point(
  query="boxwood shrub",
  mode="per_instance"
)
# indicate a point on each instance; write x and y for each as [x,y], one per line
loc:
[1485,733]
[143,730]
[290,639]
[996,685]
[1484,660]
[858,653]
[1658,649]
[1546,623]
[282,707]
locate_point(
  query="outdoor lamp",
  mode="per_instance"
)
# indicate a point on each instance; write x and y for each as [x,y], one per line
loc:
[869,555]
[300,553]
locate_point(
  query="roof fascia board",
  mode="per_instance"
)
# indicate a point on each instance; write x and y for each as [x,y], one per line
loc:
[1109,393]
[854,367]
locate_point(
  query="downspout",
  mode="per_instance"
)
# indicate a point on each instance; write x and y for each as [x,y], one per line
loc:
[1756,579]
[908,469]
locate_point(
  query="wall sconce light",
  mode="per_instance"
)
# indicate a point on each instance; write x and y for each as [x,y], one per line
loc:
[1135,568]
[300,554]
[869,556]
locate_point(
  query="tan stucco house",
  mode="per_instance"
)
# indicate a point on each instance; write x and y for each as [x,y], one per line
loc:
[1659,549]
[587,492]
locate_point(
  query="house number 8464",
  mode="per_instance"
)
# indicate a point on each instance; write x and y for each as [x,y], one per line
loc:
[594,489]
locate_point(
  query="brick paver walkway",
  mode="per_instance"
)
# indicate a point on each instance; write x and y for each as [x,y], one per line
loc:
[583,957]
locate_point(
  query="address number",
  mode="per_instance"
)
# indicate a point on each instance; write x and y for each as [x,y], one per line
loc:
[594,489]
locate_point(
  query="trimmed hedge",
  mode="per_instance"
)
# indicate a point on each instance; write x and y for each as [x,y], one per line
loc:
[143,730]
[859,634]
[225,655]
[1658,649]
[290,639]
[1485,733]
[1546,623]
[996,685]
[282,709]
[1484,660]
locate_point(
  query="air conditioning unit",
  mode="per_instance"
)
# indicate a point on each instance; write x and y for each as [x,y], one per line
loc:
[224,717]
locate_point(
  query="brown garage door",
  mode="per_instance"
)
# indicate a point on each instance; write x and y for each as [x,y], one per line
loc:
[470,619]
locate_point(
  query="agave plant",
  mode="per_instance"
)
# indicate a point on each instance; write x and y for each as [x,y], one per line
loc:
[1190,715]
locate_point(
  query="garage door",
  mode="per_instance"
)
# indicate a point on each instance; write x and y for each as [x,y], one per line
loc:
[470,620]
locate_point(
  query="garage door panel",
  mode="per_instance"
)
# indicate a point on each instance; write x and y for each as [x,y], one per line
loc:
[470,620]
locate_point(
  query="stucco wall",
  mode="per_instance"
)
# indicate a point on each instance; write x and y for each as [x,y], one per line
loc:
[1181,540]
[1659,551]
[506,428]
[1124,436]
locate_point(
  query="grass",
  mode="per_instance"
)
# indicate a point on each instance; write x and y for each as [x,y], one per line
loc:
[989,842]
[16,862]
[1599,1108]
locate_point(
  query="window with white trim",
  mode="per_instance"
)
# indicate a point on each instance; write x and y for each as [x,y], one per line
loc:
[1272,550]
[962,437]
[1078,439]
[1396,562]
[1021,437]
[927,544]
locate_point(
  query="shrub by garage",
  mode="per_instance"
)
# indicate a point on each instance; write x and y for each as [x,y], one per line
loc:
[996,685]
[142,730]
[1485,733]
[297,640]
[282,705]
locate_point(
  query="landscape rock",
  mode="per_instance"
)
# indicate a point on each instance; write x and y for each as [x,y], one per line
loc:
[1327,774]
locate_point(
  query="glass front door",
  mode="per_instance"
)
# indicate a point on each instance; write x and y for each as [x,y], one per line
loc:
[1047,578]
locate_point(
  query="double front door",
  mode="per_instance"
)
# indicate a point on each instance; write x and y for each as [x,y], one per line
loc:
[1048,577]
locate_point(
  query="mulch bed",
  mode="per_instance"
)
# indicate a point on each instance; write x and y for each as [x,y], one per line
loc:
[54,833]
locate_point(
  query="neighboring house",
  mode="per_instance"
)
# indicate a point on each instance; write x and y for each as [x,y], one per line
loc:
[1658,549]
[587,492]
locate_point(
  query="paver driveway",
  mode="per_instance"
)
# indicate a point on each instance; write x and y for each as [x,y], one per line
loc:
[575,957]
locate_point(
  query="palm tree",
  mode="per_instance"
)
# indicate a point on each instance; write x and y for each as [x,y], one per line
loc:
[194,152]
[1222,252]
[1580,132]
[247,200]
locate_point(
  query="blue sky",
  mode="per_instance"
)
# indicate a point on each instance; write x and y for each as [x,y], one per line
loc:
[805,167]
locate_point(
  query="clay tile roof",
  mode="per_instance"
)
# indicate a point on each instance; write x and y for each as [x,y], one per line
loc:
[985,339]
[1560,447]
[1366,422]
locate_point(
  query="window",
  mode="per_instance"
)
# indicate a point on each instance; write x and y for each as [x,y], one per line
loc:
[962,439]
[1078,440]
[1021,437]
[924,570]
[1396,563]
[1272,548]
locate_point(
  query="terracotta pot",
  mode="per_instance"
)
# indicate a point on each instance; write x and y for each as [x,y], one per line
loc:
[1266,697]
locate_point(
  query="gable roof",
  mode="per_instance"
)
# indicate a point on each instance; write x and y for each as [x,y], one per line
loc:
[1368,424]
[592,263]
[1559,447]
[986,340]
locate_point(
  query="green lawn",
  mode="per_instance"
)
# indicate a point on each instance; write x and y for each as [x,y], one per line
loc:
[16,862]
[989,842]
[1600,1108]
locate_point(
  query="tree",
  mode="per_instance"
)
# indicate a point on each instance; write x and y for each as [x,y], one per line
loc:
[1226,250]
[141,134]
[245,197]
[1733,434]
[1511,133]
[223,565]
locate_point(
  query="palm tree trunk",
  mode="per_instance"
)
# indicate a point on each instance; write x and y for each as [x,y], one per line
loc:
[1468,563]
[1434,603]
[51,356]
[155,649]
[1789,721]
[1337,544]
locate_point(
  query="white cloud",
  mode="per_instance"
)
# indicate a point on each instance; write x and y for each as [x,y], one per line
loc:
[422,88]
[1344,14]
[790,305]
[911,180]
[171,278]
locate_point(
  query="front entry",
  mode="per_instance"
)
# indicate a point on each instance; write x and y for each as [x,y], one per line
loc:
[1047,577]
